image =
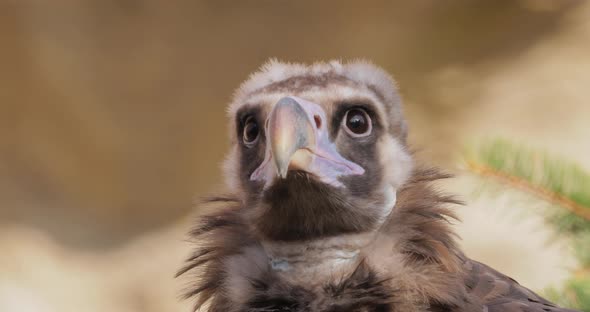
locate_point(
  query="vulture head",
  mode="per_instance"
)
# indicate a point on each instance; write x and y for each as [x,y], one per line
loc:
[318,151]
[326,211]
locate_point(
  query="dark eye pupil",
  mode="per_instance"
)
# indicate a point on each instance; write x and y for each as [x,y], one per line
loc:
[250,131]
[357,122]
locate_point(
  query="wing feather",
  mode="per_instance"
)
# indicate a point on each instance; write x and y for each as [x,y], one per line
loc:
[500,293]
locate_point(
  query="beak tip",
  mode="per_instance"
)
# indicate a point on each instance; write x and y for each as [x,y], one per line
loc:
[283,174]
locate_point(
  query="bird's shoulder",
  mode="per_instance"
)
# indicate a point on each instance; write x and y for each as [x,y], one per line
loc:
[499,293]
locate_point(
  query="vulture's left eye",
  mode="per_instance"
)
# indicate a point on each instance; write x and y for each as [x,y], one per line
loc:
[357,122]
[251,131]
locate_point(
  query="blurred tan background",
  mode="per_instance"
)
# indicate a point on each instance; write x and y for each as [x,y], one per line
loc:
[112,122]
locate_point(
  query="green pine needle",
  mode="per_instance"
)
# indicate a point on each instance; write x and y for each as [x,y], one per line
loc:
[553,179]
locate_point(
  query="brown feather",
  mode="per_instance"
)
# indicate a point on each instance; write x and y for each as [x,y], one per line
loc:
[418,228]
[225,233]
[500,293]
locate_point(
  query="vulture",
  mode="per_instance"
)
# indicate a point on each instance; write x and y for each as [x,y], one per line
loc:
[325,209]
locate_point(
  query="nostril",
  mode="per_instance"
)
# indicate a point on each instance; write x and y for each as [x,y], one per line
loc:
[318,121]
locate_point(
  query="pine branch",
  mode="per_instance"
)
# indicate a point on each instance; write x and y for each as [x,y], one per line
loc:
[529,187]
[554,180]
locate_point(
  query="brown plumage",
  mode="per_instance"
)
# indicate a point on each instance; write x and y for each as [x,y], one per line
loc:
[341,222]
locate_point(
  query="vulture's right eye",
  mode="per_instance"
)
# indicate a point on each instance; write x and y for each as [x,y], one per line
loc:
[251,131]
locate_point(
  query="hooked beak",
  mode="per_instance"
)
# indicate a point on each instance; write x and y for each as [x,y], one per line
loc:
[298,138]
[289,130]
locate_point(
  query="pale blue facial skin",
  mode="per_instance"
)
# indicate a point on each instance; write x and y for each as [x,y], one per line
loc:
[298,138]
